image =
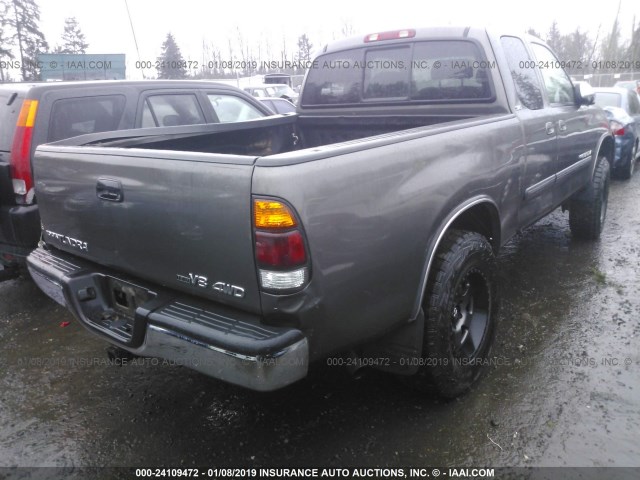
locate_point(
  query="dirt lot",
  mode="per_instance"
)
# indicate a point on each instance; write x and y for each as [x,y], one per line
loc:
[563,388]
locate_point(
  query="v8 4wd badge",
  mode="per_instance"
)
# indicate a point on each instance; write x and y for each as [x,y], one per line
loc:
[203,282]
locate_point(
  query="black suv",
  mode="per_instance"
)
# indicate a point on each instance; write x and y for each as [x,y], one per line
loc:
[32,114]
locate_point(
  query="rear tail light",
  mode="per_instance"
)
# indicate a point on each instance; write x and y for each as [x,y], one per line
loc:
[280,249]
[617,128]
[281,253]
[271,214]
[20,159]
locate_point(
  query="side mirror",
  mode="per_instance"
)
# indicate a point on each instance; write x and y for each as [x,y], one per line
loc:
[584,94]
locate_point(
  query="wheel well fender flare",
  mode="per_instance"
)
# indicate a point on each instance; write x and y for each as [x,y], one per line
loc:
[606,146]
[444,226]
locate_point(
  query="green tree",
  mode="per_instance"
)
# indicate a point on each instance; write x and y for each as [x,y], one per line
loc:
[304,49]
[73,40]
[533,32]
[556,41]
[171,64]
[578,49]
[633,53]
[612,50]
[23,19]
[6,42]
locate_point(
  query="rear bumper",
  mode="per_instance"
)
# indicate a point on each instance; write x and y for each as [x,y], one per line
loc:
[149,321]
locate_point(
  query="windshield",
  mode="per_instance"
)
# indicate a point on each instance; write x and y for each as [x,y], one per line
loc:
[283,90]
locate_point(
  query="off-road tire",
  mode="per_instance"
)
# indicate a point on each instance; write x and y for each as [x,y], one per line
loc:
[588,207]
[461,294]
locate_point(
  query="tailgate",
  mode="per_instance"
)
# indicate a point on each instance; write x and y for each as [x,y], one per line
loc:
[179,219]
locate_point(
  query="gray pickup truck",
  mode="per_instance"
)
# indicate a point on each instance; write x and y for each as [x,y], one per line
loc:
[362,229]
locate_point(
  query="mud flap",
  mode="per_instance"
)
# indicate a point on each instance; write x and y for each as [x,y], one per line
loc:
[400,351]
[8,273]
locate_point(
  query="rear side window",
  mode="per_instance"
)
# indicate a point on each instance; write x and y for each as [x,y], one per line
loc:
[283,106]
[430,71]
[170,110]
[10,104]
[269,104]
[525,79]
[71,117]
[556,81]
[229,108]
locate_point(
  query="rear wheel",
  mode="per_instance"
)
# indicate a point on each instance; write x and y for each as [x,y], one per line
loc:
[588,207]
[461,310]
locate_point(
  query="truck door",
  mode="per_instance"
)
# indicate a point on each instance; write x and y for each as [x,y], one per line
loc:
[575,138]
[539,169]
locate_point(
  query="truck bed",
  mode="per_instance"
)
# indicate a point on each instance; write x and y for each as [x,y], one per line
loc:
[262,137]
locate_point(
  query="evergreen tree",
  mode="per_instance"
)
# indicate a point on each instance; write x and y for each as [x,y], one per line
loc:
[532,31]
[6,42]
[633,52]
[73,40]
[612,50]
[555,41]
[304,49]
[578,49]
[23,19]
[171,64]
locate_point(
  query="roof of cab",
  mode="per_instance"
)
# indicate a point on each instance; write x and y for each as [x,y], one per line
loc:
[420,33]
[141,84]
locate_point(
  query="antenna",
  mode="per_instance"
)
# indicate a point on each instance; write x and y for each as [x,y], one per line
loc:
[134,35]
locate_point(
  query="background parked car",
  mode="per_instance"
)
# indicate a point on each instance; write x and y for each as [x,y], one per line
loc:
[32,114]
[623,110]
[273,90]
[278,105]
[629,85]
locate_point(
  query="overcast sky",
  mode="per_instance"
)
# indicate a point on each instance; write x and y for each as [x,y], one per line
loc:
[107,30]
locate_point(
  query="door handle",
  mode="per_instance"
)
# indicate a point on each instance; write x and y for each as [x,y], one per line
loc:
[550,128]
[109,189]
[562,125]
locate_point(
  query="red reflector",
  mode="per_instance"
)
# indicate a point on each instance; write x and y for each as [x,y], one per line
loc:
[393,35]
[619,132]
[280,249]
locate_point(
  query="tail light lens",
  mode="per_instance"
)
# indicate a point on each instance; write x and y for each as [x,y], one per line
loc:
[617,128]
[280,249]
[281,254]
[20,159]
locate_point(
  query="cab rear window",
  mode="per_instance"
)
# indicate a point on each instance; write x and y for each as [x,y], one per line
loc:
[430,71]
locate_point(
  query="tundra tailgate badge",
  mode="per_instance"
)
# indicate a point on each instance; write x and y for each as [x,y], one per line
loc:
[71,242]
